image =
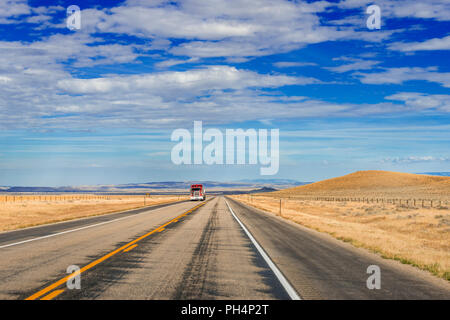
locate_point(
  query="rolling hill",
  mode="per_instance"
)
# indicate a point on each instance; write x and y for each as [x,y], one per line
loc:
[376,183]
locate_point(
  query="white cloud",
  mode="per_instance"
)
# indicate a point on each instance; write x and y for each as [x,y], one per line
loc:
[430,9]
[36,79]
[173,62]
[18,11]
[41,18]
[400,75]
[413,159]
[431,44]
[422,100]
[5,79]
[52,51]
[232,29]
[11,9]
[288,64]
[194,80]
[356,65]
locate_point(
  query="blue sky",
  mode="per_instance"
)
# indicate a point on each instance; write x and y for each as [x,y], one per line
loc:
[98,105]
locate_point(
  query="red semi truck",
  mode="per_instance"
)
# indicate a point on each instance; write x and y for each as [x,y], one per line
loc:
[198,192]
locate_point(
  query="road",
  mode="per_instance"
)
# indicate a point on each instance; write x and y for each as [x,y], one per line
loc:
[218,249]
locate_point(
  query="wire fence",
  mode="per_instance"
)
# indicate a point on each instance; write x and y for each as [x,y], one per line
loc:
[63,198]
[404,202]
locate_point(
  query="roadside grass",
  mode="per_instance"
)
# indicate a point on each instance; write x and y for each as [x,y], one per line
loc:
[417,237]
[31,213]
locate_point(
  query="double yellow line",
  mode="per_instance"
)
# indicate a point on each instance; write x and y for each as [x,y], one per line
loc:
[100,260]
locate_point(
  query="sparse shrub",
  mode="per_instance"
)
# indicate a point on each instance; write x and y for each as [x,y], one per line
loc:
[445,221]
[446,275]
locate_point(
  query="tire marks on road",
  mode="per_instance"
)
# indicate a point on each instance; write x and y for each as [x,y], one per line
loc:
[194,285]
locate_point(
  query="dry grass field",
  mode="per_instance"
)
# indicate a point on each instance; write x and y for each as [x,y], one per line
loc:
[376,184]
[416,235]
[22,211]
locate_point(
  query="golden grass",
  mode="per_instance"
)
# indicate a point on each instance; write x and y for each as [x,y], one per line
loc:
[29,211]
[417,236]
[373,183]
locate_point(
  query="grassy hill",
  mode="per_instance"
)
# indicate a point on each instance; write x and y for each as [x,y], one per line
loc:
[411,232]
[375,183]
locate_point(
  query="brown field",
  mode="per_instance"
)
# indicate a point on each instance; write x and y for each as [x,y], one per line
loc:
[20,211]
[411,234]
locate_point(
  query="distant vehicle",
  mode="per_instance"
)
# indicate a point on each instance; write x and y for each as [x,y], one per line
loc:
[198,192]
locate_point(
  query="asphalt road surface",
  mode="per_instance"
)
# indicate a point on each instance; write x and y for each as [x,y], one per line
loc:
[217,249]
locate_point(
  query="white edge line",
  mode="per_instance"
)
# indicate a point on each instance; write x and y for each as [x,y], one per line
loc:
[73,230]
[284,282]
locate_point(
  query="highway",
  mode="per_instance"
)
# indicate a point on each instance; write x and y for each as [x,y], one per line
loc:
[217,249]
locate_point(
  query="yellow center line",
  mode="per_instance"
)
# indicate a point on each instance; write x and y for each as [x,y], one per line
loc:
[53,294]
[161,229]
[109,255]
[130,248]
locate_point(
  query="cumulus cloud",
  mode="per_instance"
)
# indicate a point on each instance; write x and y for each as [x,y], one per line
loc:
[423,101]
[19,11]
[431,9]
[431,44]
[357,64]
[195,80]
[40,78]
[51,52]
[401,75]
[52,98]
[11,9]
[173,62]
[234,28]
[289,64]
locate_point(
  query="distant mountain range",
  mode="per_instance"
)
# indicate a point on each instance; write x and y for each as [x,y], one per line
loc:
[273,181]
[263,185]
[261,190]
